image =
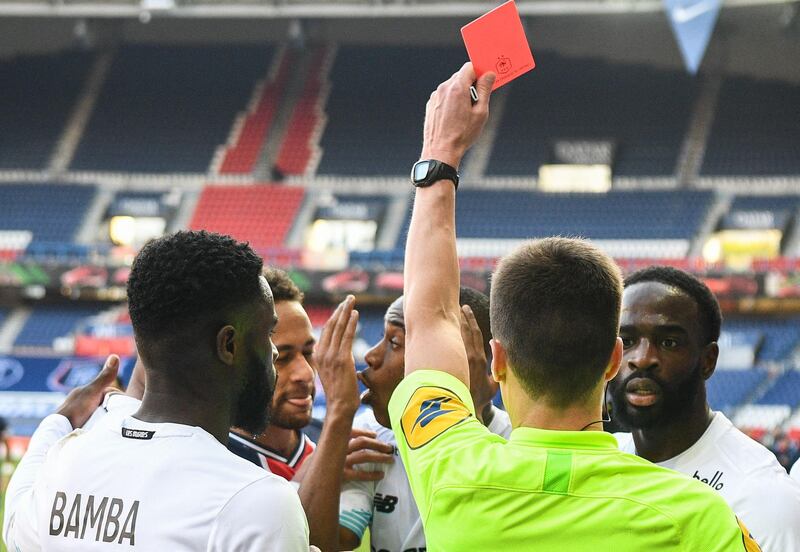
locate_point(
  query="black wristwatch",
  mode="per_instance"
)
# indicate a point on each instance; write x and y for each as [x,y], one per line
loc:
[426,172]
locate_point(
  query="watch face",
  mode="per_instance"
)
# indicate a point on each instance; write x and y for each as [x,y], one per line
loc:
[421,170]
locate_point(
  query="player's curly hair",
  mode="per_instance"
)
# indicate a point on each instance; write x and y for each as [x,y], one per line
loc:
[706,302]
[283,288]
[187,277]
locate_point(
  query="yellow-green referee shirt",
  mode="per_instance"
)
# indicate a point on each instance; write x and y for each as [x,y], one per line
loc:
[561,491]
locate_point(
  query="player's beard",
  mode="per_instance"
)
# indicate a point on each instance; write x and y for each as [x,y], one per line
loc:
[676,401]
[283,415]
[255,402]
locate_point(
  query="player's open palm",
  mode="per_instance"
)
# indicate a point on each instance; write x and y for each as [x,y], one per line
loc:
[334,359]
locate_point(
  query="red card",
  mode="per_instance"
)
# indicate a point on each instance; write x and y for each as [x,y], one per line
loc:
[496,42]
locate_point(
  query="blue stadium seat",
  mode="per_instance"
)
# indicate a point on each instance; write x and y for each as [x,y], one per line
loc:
[756,129]
[785,390]
[165,109]
[780,336]
[375,117]
[730,388]
[53,212]
[39,93]
[50,322]
[644,110]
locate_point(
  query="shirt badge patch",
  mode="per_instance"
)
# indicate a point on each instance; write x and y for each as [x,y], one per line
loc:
[430,412]
[750,544]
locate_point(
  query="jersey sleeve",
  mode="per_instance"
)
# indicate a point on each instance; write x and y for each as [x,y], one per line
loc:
[435,426]
[355,506]
[265,516]
[715,528]
[20,530]
[772,514]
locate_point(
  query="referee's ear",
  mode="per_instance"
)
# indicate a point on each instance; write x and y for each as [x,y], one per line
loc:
[615,361]
[499,361]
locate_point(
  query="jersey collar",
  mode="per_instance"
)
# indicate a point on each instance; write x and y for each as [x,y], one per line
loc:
[564,439]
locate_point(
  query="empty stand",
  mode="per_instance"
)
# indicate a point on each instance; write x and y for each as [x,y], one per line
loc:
[52,212]
[165,109]
[259,214]
[375,116]
[38,94]
[48,323]
[756,130]
[729,388]
[241,157]
[785,390]
[643,110]
[307,119]
[781,337]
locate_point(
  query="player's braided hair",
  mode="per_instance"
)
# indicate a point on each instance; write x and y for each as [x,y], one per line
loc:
[691,286]
[283,288]
[186,277]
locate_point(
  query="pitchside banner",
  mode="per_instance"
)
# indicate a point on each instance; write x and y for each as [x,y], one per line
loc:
[692,22]
[53,375]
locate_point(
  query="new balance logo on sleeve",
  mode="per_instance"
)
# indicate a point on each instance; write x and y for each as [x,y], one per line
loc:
[384,504]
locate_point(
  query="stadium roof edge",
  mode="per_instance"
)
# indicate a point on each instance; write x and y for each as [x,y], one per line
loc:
[340,10]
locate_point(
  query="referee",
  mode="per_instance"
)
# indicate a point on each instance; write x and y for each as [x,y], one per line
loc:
[559,483]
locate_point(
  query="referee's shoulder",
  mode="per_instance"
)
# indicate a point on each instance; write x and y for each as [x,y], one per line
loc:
[700,513]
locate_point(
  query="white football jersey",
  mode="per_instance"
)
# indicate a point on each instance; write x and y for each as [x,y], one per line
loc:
[795,473]
[155,487]
[387,506]
[749,478]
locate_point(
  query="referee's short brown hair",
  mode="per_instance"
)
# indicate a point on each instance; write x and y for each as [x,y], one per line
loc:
[555,307]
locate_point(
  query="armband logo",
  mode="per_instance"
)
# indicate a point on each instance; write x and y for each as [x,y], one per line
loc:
[750,544]
[430,412]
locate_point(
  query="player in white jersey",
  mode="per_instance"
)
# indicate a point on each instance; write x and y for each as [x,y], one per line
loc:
[669,328]
[795,473]
[162,478]
[387,506]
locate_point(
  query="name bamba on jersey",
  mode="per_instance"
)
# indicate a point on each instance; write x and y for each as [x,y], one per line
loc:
[104,515]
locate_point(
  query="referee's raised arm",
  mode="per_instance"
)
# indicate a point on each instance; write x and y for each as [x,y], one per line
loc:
[431,279]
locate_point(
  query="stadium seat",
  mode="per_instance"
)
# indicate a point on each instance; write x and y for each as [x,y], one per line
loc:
[39,94]
[781,336]
[369,130]
[307,120]
[784,391]
[241,156]
[260,214]
[52,212]
[46,324]
[165,109]
[759,113]
[728,389]
[643,110]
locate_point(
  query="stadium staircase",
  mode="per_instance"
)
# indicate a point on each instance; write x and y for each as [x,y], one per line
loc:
[10,328]
[694,145]
[68,144]
[250,130]
[299,153]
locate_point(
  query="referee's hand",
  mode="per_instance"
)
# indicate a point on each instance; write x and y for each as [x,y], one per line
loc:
[82,401]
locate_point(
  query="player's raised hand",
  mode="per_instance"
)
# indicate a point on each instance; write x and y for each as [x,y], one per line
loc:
[476,354]
[82,401]
[364,448]
[452,121]
[334,359]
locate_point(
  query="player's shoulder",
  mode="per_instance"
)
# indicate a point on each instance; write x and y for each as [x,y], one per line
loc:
[366,421]
[267,509]
[741,454]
